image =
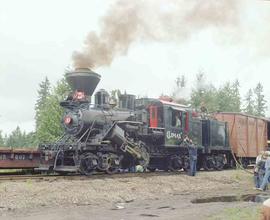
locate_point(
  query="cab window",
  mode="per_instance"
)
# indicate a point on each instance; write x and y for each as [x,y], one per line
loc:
[176,119]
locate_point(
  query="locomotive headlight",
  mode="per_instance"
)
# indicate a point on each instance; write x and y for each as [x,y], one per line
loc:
[71,123]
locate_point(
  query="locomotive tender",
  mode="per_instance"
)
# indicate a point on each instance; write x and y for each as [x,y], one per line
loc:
[150,132]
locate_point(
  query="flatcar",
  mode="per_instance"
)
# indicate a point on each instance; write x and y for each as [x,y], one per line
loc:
[19,158]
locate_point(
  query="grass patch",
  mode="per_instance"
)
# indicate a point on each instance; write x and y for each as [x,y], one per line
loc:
[3,171]
[238,213]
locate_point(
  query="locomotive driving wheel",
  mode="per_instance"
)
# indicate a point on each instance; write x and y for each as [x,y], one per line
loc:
[219,162]
[114,164]
[208,163]
[109,163]
[88,163]
[103,162]
[186,163]
[213,162]
[151,169]
[145,157]
[175,163]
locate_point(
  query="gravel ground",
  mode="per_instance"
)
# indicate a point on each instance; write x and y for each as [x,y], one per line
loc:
[23,196]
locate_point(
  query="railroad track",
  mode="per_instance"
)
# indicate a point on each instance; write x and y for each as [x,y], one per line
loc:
[25,177]
[54,177]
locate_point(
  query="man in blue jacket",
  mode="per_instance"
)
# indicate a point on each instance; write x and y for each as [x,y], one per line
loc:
[193,154]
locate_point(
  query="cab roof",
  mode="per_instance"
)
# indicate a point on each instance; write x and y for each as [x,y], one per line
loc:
[173,104]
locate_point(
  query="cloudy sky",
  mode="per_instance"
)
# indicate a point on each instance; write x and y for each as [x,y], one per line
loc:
[37,39]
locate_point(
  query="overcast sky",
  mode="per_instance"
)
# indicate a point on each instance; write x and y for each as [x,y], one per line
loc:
[37,39]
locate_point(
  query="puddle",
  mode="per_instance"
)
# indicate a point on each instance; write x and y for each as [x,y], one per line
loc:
[258,198]
[129,201]
[149,215]
[164,207]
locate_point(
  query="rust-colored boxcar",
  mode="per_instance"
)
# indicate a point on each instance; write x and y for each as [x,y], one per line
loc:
[19,158]
[248,135]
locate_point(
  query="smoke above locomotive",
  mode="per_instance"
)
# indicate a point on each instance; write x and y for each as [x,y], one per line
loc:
[175,21]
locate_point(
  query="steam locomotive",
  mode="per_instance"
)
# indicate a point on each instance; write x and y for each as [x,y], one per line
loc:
[107,136]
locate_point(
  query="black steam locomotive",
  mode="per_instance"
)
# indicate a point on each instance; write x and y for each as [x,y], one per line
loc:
[109,136]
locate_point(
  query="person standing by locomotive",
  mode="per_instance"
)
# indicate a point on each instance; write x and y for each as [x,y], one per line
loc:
[259,169]
[193,154]
[266,176]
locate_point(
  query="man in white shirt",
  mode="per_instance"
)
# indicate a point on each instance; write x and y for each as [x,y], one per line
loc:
[259,169]
[267,173]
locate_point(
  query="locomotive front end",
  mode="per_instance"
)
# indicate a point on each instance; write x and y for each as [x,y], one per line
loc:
[99,137]
[77,117]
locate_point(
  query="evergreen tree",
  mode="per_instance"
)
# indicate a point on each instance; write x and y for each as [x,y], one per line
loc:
[236,98]
[180,93]
[16,139]
[43,94]
[2,141]
[224,98]
[260,102]
[31,140]
[229,99]
[249,103]
[198,92]
[204,95]
[50,127]
[20,139]
[181,81]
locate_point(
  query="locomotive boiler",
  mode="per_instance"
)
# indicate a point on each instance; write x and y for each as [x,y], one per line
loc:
[110,134]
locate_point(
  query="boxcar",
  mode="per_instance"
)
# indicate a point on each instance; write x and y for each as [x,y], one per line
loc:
[248,135]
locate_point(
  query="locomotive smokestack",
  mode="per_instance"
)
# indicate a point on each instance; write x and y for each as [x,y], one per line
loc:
[83,79]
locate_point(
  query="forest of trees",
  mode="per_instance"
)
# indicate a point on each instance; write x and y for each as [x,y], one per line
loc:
[225,98]
[48,112]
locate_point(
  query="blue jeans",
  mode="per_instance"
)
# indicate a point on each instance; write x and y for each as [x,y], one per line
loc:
[193,167]
[132,169]
[261,175]
[258,178]
[265,179]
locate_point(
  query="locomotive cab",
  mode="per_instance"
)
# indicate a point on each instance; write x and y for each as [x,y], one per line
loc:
[166,124]
[171,120]
[176,124]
